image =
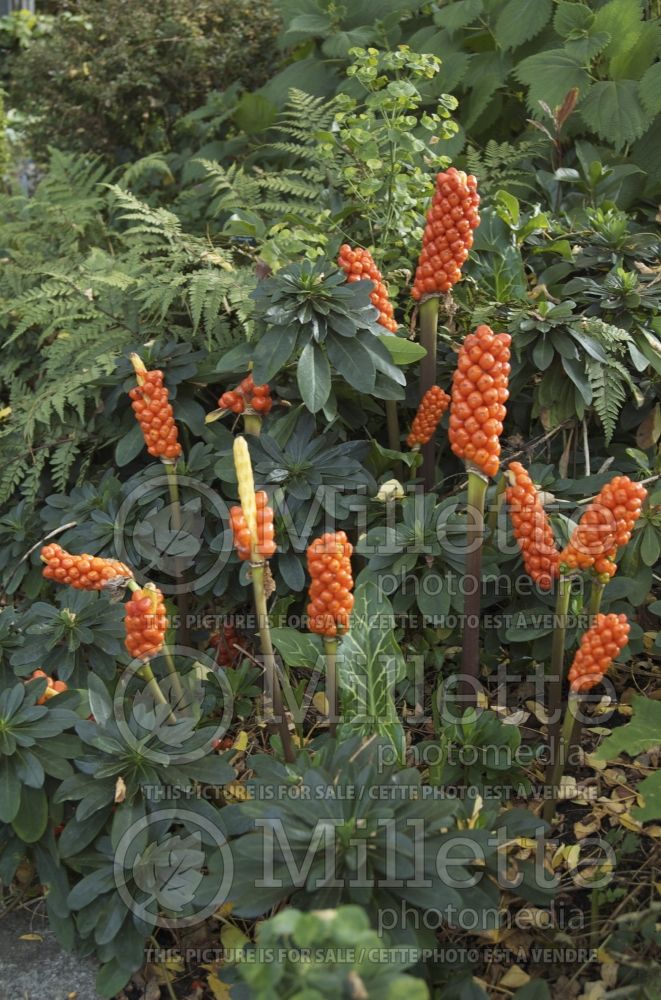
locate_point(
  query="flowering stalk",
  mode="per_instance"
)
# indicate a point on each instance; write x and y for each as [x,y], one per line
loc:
[359,265]
[331,601]
[479,393]
[145,632]
[256,545]
[447,238]
[599,646]
[153,410]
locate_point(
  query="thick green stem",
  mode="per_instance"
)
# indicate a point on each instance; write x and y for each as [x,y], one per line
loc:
[470,660]
[499,500]
[330,649]
[273,708]
[174,676]
[147,674]
[428,335]
[570,731]
[596,593]
[557,665]
[177,523]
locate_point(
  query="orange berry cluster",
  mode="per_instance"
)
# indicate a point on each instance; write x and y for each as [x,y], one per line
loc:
[432,406]
[479,394]
[448,235]
[242,541]
[247,395]
[81,571]
[331,600]
[358,265]
[154,414]
[52,687]
[145,622]
[599,646]
[605,526]
[532,528]
[223,643]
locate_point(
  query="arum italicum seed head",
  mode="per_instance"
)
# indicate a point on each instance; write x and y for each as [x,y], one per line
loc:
[432,406]
[145,622]
[605,526]
[448,234]
[83,572]
[331,600]
[532,528]
[599,646]
[479,393]
[358,265]
[149,401]
[252,522]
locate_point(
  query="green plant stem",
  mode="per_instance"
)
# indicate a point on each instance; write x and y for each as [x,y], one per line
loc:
[182,601]
[570,732]
[273,709]
[557,665]
[171,668]
[330,649]
[428,335]
[596,593]
[499,500]
[252,423]
[470,660]
[147,674]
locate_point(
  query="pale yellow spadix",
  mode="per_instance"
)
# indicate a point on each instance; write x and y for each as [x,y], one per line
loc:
[138,367]
[246,481]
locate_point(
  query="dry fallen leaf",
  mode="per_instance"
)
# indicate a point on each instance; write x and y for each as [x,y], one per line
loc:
[514,978]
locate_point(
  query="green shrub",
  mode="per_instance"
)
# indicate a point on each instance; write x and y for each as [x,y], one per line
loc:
[113,77]
[505,60]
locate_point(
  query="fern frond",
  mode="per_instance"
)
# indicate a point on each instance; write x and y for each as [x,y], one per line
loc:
[611,384]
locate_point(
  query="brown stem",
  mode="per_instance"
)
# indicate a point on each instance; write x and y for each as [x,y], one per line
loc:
[557,668]
[571,729]
[470,660]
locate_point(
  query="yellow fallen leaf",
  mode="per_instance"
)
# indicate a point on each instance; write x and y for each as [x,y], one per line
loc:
[629,822]
[582,830]
[514,978]
[173,964]
[5,412]
[30,937]
[241,742]
[221,991]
